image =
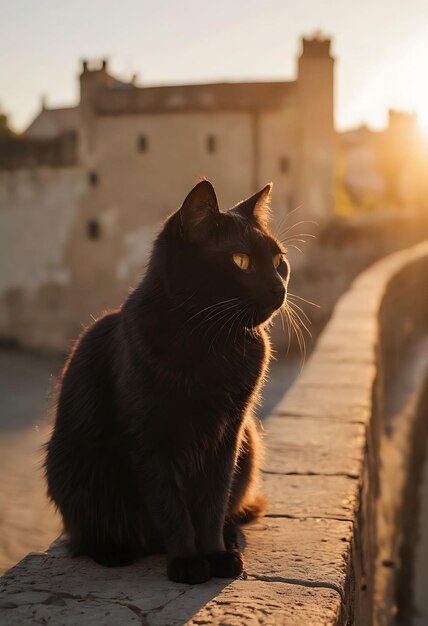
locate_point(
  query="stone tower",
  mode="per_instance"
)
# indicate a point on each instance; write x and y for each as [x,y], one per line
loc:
[92,78]
[315,92]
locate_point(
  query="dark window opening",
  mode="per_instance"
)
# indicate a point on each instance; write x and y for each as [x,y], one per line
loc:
[284,164]
[93,179]
[143,143]
[211,144]
[94,230]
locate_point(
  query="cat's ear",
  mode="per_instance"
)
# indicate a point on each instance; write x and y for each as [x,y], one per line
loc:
[256,206]
[199,212]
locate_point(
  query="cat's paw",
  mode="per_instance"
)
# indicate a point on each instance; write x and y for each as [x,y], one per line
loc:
[226,564]
[191,570]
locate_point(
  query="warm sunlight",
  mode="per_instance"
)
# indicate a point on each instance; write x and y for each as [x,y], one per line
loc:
[411,84]
[397,80]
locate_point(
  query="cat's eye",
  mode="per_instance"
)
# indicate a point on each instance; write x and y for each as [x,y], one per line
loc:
[242,260]
[277,260]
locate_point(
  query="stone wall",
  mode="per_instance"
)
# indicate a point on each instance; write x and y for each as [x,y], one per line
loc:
[312,559]
[37,216]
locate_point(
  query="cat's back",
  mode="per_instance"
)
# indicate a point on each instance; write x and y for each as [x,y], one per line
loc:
[87,382]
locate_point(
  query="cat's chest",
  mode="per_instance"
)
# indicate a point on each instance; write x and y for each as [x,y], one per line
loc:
[234,369]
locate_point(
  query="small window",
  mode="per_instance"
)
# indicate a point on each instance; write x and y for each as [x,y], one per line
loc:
[143,143]
[93,179]
[211,144]
[284,164]
[93,229]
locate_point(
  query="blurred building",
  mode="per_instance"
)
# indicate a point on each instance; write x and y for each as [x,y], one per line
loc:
[85,187]
[386,169]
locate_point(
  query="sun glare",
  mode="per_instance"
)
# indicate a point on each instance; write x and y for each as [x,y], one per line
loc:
[396,81]
[411,79]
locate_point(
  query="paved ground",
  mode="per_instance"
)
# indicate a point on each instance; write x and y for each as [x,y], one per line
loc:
[27,520]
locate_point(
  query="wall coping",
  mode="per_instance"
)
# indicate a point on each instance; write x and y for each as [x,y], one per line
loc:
[309,560]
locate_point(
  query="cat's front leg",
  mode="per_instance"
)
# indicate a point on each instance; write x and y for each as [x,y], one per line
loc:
[209,512]
[166,504]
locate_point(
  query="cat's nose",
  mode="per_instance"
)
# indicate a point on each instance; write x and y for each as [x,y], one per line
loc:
[278,293]
[278,290]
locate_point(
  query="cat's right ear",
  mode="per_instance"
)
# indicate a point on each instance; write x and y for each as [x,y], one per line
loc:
[199,213]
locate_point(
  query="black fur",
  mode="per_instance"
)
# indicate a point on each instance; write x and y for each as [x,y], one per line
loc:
[154,445]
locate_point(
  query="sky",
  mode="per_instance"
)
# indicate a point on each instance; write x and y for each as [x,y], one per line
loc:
[381,47]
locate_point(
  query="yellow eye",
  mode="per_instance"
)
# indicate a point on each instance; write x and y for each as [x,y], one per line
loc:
[242,261]
[277,259]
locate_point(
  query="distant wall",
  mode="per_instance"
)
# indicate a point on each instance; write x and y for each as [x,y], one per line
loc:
[23,152]
[37,213]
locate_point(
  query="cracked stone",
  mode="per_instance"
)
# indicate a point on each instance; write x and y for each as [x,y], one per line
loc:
[267,604]
[332,497]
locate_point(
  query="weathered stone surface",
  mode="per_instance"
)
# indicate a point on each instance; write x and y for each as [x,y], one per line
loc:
[71,612]
[286,553]
[332,497]
[328,374]
[303,445]
[348,405]
[299,550]
[339,347]
[271,604]
[43,582]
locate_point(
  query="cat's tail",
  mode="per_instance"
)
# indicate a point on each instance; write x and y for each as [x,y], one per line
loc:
[251,510]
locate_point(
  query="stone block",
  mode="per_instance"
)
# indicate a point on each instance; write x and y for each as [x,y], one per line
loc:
[306,445]
[334,497]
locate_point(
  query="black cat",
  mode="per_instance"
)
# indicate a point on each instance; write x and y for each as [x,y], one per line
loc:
[154,445]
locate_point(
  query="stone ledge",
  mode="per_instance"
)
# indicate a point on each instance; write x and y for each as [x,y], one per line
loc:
[311,560]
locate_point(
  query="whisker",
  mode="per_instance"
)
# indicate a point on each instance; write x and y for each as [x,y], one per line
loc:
[302,222]
[284,231]
[284,219]
[298,319]
[281,314]
[296,306]
[213,314]
[300,338]
[213,305]
[293,239]
[295,247]
[217,318]
[230,330]
[303,235]
[184,302]
[294,295]
[289,330]
[228,320]
[239,322]
[297,332]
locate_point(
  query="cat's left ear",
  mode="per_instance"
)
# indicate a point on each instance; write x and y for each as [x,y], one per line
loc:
[257,206]
[199,212]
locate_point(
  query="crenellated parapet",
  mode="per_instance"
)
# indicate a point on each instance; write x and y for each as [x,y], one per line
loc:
[23,152]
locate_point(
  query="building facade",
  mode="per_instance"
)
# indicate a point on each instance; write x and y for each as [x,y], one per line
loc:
[386,168]
[83,192]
